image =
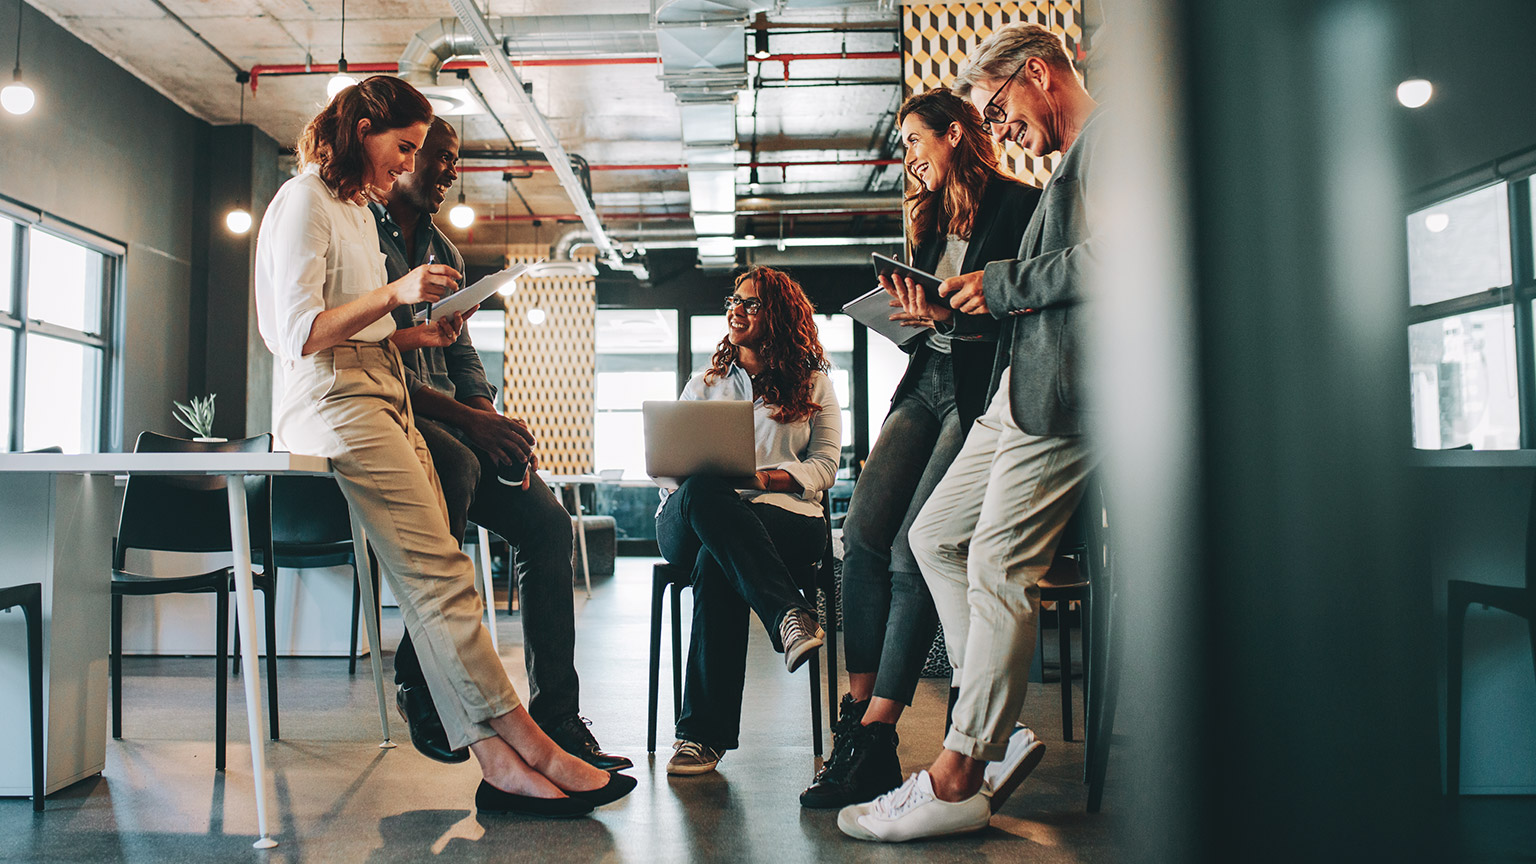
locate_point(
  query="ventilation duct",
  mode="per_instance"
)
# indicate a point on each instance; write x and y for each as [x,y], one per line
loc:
[530,36]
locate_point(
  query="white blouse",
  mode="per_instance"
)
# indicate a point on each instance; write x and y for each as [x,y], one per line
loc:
[809,449]
[314,252]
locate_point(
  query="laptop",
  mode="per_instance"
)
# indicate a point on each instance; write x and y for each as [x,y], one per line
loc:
[688,438]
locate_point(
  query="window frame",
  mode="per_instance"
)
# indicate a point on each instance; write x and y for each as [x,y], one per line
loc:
[108,432]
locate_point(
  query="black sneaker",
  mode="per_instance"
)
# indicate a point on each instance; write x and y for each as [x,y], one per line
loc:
[866,768]
[849,715]
[800,635]
[575,738]
[427,733]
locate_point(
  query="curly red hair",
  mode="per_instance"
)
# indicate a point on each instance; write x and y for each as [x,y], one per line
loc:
[791,347]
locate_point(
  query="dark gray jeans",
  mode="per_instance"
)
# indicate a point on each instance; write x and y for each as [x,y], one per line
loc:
[887,611]
[539,530]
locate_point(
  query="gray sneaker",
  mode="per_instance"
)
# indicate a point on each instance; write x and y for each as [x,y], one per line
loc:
[800,635]
[693,758]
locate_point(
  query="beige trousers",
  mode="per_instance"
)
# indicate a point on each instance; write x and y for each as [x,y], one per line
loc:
[983,540]
[349,403]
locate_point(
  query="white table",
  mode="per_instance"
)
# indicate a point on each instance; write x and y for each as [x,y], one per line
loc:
[36,490]
[559,482]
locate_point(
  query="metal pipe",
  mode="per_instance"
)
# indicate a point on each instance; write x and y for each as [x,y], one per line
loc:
[280,69]
[678,166]
[559,160]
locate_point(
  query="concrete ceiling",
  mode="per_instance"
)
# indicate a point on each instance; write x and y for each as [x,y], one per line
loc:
[610,115]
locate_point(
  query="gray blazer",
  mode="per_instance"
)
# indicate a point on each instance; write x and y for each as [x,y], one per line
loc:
[1040,297]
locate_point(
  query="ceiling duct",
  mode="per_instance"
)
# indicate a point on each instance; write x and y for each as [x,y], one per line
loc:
[704,63]
[542,36]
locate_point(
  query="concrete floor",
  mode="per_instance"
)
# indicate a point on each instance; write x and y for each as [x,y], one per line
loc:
[337,797]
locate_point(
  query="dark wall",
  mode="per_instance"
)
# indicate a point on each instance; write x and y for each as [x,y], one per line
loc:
[677,283]
[106,152]
[1478,55]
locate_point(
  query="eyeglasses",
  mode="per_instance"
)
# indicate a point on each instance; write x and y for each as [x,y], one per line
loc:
[750,305]
[994,113]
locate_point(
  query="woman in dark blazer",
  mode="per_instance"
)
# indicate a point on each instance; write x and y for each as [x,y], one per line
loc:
[963,210]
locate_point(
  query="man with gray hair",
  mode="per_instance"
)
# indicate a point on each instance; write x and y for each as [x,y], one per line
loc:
[989,531]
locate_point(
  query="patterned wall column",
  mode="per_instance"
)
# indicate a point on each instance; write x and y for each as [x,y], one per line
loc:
[935,39]
[551,368]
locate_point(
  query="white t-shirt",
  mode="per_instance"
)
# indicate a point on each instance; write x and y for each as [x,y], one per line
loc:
[809,449]
[314,252]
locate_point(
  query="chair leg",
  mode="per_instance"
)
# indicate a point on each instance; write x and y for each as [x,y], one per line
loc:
[1456,615]
[270,595]
[830,593]
[221,687]
[1064,653]
[357,602]
[33,610]
[658,592]
[815,677]
[117,666]
[1105,725]
[234,661]
[677,652]
[1085,628]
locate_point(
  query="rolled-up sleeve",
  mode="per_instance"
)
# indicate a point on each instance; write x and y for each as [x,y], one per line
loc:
[290,269]
[817,470]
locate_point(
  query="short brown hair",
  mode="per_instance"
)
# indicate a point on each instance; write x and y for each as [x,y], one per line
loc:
[1001,54]
[331,142]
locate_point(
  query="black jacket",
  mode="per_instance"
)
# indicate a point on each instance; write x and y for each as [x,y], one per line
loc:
[1006,207]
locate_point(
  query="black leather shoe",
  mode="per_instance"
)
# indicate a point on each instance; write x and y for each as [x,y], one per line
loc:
[427,733]
[489,799]
[866,768]
[617,787]
[575,738]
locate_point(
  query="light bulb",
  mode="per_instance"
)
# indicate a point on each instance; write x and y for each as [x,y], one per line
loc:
[536,316]
[1415,92]
[238,220]
[462,215]
[18,98]
[338,83]
[1437,222]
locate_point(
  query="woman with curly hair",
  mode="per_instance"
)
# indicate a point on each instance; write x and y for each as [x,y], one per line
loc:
[742,543]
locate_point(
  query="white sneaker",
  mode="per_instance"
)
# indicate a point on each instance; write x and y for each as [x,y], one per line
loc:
[911,811]
[1003,776]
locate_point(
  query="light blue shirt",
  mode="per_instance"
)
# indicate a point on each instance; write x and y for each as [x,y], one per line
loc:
[808,449]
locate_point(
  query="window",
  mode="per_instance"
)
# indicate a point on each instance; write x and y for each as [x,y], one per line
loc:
[636,362]
[55,293]
[1464,279]
[887,363]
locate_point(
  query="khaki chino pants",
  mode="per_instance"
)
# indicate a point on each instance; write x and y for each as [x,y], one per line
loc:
[983,540]
[349,403]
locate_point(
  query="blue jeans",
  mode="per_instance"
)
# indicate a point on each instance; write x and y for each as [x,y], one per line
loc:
[887,611]
[742,555]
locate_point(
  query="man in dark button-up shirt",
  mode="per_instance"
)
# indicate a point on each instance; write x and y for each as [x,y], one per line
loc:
[470,443]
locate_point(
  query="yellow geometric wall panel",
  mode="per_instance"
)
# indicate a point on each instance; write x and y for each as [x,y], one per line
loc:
[551,368]
[936,38]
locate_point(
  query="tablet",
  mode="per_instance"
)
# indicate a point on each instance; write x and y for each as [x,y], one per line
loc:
[874,309]
[466,298]
[888,266]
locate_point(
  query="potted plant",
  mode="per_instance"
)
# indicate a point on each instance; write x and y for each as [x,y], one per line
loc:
[197,417]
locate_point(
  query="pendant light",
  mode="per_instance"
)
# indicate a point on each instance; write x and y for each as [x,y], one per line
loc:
[536,314]
[238,220]
[341,80]
[462,215]
[17,97]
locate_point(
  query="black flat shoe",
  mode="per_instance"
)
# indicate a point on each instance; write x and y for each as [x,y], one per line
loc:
[489,799]
[575,738]
[427,733]
[617,787]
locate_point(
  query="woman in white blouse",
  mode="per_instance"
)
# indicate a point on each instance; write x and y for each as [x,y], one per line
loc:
[323,307]
[742,543]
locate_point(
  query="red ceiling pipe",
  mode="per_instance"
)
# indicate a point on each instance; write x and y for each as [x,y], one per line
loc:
[786,59]
[261,69]
[464,169]
[677,216]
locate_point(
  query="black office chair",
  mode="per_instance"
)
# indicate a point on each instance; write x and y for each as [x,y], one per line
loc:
[821,579]
[312,527]
[191,514]
[1461,594]
[30,598]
